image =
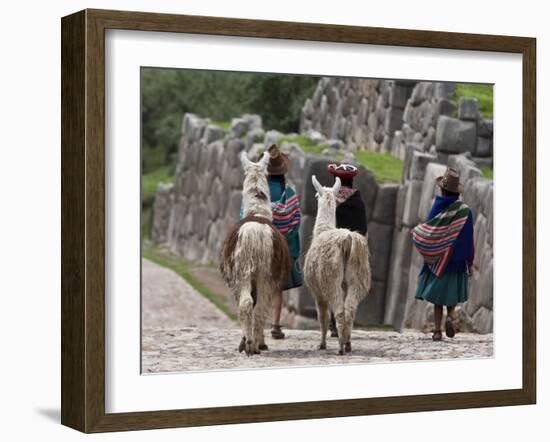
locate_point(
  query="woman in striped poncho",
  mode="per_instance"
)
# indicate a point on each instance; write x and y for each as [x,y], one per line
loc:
[446,243]
[287,216]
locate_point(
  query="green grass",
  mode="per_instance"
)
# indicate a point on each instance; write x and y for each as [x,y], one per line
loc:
[225,125]
[385,167]
[487,172]
[146,214]
[483,93]
[151,180]
[306,145]
[181,267]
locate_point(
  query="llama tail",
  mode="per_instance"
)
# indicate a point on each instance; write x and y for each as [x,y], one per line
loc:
[357,270]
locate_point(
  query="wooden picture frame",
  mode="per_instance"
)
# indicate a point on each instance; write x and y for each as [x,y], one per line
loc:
[83,220]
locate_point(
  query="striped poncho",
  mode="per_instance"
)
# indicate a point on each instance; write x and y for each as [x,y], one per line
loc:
[436,238]
[286,211]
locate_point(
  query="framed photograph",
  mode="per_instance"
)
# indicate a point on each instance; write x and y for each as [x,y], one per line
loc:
[267,221]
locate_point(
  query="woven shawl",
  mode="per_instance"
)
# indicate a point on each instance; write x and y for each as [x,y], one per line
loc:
[435,238]
[286,211]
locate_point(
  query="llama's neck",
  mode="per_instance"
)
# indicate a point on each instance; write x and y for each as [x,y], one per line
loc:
[257,207]
[326,216]
[256,198]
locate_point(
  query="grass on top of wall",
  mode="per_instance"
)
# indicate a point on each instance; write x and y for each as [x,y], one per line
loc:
[225,125]
[385,167]
[483,93]
[306,145]
[181,267]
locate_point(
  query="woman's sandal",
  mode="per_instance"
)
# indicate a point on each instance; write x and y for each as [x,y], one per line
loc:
[437,336]
[449,329]
[276,332]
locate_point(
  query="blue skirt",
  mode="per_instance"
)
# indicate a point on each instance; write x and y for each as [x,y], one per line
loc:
[295,278]
[449,289]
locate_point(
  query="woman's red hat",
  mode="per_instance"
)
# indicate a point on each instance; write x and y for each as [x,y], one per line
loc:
[342,170]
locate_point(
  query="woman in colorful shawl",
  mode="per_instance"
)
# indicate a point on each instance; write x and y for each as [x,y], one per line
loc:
[350,211]
[446,242]
[287,215]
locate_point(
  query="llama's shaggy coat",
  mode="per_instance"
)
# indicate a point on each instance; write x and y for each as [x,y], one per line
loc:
[337,268]
[255,261]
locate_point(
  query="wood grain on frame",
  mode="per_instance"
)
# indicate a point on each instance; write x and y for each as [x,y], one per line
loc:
[83,219]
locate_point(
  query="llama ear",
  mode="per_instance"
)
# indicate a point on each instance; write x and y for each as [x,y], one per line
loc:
[265,159]
[245,161]
[317,185]
[336,187]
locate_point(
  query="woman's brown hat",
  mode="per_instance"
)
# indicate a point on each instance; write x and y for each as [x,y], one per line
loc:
[278,161]
[450,181]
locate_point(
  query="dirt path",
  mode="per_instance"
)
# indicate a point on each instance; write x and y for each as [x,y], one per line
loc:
[183,331]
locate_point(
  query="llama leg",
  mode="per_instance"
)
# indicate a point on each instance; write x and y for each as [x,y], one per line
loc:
[339,313]
[261,312]
[245,317]
[322,315]
[351,303]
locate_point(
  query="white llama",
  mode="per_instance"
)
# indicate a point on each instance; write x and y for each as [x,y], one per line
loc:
[337,268]
[255,261]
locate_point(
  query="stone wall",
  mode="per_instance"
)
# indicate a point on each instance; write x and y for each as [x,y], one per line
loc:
[414,121]
[363,113]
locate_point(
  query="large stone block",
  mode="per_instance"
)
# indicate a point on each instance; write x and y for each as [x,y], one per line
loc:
[371,310]
[394,120]
[384,207]
[445,107]
[399,95]
[410,149]
[419,163]
[162,209]
[466,168]
[487,210]
[480,235]
[485,128]
[445,89]
[380,244]
[306,234]
[429,189]
[314,166]
[455,136]
[484,147]
[421,92]
[239,127]
[483,321]
[254,136]
[475,194]
[412,200]
[400,204]
[481,284]
[254,121]
[365,183]
[212,133]
[398,278]
[272,137]
[468,109]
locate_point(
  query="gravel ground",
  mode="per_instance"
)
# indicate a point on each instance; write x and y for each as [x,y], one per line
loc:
[183,331]
[168,301]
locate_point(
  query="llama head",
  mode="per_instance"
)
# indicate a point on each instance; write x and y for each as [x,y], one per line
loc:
[326,205]
[256,196]
[326,195]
